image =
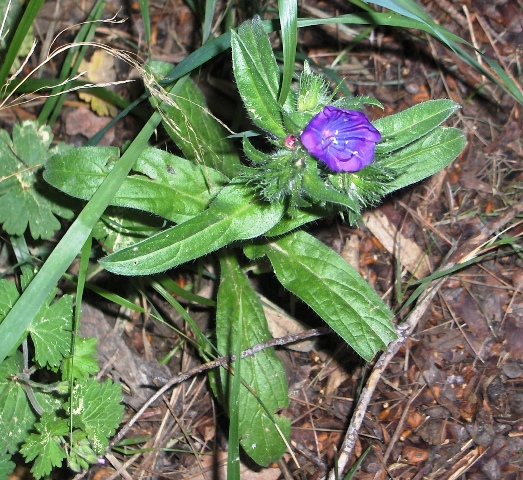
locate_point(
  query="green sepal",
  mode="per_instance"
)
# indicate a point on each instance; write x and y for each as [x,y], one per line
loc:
[320,191]
[253,154]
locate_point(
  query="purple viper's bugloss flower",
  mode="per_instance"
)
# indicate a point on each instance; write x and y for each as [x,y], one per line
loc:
[344,139]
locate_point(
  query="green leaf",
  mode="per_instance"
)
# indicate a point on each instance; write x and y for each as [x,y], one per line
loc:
[83,363]
[263,372]
[51,331]
[24,311]
[8,297]
[96,408]
[121,227]
[257,76]
[6,466]
[81,454]
[198,134]
[320,192]
[235,214]
[45,445]
[24,199]
[16,414]
[409,125]
[425,157]
[300,217]
[164,184]
[332,288]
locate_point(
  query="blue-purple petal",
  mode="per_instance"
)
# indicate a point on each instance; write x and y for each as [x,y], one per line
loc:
[344,139]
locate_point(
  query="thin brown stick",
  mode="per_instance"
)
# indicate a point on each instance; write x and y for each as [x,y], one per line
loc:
[405,329]
[219,362]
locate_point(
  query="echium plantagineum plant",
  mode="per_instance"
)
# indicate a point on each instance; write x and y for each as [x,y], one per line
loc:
[326,157]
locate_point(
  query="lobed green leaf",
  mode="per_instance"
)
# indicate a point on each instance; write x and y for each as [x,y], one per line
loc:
[45,446]
[97,409]
[24,199]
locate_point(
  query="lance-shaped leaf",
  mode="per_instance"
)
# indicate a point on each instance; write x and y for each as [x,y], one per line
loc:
[332,288]
[263,372]
[163,184]
[411,124]
[425,157]
[235,214]
[257,76]
[197,133]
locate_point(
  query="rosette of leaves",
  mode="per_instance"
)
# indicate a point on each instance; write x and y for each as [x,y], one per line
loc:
[413,145]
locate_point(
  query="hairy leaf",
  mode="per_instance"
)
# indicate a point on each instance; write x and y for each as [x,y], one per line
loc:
[263,372]
[163,184]
[332,288]
[425,157]
[198,134]
[257,76]
[411,124]
[235,214]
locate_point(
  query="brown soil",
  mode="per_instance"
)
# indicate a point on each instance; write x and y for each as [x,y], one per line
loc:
[449,405]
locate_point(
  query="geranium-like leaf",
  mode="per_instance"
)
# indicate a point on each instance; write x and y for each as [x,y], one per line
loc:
[332,288]
[45,446]
[51,331]
[17,416]
[96,407]
[84,361]
[24,198]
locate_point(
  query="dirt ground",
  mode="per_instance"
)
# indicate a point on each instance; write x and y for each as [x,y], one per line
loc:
[449,405]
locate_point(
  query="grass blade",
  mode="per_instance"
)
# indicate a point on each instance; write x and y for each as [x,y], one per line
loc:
[32,9]
[288,10]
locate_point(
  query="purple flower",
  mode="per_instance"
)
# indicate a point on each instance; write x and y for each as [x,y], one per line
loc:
[343,139]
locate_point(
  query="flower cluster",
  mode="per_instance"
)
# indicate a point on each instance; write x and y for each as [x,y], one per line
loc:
[344,139]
